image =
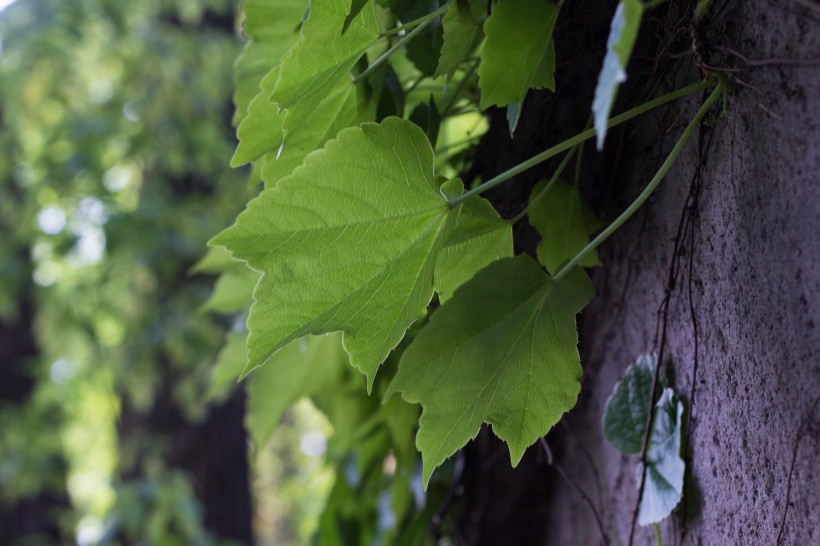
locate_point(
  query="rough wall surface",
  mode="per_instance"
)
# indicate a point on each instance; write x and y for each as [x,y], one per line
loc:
[755,299]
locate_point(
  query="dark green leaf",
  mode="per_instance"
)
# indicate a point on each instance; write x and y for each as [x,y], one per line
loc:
[501,351]
[517,54]
[461,30]
[626,409]
[565,223]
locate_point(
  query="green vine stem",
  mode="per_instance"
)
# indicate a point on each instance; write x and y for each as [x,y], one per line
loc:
[579,138]
[644,195]
[398,45]
[416,22]
[550,184]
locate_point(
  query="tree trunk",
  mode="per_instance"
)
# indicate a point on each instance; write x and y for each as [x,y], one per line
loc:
[740,325]
[32,518]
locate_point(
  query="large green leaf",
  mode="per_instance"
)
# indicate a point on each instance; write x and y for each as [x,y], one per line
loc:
[622,36]
[272,28]
[626,409]
[565,224]
[348,242]
[298,370]
[501,351]
[518,52]
[665,468]
[479,238]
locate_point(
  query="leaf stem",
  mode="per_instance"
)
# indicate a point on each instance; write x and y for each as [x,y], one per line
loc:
[644,195]
[453,98]
[658,539]
[542,193]
[577,139]
[416,22]
[398,45]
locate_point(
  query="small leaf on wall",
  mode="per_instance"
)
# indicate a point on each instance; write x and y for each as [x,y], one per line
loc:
[665,468]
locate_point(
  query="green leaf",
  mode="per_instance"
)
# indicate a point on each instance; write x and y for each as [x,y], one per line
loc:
[348,242]
[664,466]
[624,424]
[310,97]
[501,351]
[564,222]
[298,370]
[355,8]
[232,290]
[625,413]
[229,364]
[461,28]
[343,106]
[272,28]
[517,54]
[261,130]
[215,260]
[622,35]
[319,61]
[513,115]
[479,238]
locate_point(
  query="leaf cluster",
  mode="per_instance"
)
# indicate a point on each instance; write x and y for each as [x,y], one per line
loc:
[365,247]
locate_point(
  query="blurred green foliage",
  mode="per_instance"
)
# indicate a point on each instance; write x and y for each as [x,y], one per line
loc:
[115,135]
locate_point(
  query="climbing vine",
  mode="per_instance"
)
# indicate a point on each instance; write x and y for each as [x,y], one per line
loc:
[365,253]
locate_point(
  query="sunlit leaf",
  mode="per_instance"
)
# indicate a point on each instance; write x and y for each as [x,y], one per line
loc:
[216,260]
[348,243]
[622,36]
[232,290]
[479,238]
[517,54]
[261,131]
[321,58]
[311,96]
[272,28]
[355,8]
[501,351]
[298,370]
[229,364]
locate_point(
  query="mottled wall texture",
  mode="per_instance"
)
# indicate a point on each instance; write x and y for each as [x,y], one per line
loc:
[744,311]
